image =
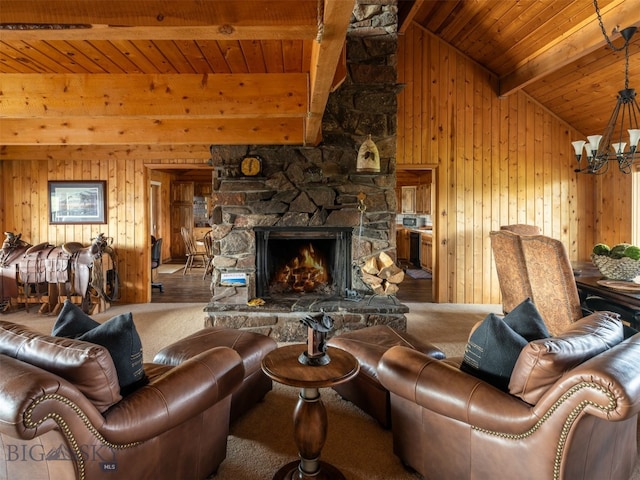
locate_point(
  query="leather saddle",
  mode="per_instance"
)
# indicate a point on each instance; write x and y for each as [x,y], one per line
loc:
[13,249]
[32,267]
[82,262]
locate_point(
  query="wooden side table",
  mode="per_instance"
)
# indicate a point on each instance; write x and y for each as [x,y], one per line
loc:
[309,415]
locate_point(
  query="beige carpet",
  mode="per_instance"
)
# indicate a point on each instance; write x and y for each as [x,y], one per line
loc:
[261,441]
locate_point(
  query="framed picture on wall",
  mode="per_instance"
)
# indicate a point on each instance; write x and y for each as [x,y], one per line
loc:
[77,202]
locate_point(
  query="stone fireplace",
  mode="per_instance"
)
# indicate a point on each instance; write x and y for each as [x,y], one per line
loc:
[309,212]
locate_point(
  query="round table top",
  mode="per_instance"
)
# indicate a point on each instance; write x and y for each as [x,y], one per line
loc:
[282,365]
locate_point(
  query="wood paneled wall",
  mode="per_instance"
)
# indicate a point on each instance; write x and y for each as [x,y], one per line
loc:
[496,161]
[24,203]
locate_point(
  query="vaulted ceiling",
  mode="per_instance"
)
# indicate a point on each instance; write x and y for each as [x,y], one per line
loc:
[182,72]
[554,50]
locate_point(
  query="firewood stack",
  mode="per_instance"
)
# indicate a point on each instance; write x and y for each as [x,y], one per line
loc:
[382,274]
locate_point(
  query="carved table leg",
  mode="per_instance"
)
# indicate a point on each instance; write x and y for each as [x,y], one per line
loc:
[309,433]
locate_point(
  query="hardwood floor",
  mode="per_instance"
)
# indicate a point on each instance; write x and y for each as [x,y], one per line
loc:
[192,288]
[179,288]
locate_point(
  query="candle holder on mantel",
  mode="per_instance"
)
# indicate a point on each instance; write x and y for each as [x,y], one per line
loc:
[317,328]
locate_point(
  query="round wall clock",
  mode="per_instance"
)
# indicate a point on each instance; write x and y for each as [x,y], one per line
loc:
[251,166]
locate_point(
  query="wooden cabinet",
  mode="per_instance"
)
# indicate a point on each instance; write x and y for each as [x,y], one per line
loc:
[426,252]
[415,199]
[423,198]
[402,244]
[409,199]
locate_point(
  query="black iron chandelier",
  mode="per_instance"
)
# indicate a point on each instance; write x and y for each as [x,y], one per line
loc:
[622,129]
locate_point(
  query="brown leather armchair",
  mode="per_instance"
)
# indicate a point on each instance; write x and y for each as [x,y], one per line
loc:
[449,424]
[62,396]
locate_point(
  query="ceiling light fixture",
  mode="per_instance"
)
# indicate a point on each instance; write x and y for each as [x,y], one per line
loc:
[612,144]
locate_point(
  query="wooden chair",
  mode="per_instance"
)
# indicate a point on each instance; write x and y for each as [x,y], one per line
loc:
[191,250]
[537,267]
[209,254]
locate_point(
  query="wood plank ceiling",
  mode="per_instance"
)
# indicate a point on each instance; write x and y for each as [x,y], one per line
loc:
[182,72]
[80,72]
[554,50]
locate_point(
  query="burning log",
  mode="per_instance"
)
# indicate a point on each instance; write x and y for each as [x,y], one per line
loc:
[382,274]
[304,273]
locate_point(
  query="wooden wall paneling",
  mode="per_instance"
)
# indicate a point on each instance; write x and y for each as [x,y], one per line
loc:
[433,102]
[444,264]
[490,144]
[140,233]
[24,208]
[463,175]
[500,179]
[613,207]
[470,171]
[499,161]
[416,102]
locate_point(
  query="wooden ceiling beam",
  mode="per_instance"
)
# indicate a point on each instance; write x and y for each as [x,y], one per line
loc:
[160,12]
[406,20]
[198,32]
[154,154]
[158,20]
[213,96]
[326,52]
[134,130]
[581,40]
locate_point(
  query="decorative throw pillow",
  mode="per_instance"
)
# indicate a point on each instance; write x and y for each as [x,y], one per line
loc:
[118,335]
[494,346]
[72,321]
[542,362]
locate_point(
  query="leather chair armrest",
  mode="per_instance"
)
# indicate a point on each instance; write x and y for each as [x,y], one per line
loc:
[28,394]
[444,389]
[181,393]
[610,381]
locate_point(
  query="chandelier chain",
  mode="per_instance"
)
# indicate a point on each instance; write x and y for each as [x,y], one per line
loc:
[612,46]
[604,32]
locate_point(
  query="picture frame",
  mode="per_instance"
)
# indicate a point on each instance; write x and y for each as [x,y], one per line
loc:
[77,202]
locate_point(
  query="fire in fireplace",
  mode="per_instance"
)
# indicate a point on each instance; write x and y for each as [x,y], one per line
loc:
[303,260]
[306,272]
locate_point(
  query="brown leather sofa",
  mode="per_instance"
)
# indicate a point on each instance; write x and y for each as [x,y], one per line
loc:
[60,400]
[368,345]
[579,424]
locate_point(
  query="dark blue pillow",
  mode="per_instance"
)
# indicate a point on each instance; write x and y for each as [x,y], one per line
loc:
[118,335]
[72,321]
[493,348]
[527,321]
